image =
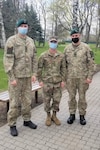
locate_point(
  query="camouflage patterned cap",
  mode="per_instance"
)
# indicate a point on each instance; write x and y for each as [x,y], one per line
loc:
[74,30]
[21,21]
[53,38]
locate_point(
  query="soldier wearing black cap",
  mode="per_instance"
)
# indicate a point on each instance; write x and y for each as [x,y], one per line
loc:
[80,70]
[20,64]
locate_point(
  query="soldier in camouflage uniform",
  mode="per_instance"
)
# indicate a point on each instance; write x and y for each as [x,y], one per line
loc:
[80,69]
[21,67]
[51,75]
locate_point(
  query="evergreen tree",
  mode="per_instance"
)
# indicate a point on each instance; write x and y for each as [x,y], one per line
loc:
[34,25]
[11,14]
[9,17]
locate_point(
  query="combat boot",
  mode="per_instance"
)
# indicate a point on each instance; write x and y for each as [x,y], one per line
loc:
[71,119]
[13,131]
[82,120]
[48,119]
[55,119]
[30,124]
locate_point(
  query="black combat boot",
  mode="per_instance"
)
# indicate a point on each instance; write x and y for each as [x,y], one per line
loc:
[71,119]
[82,120]
[30,124]
[13,131]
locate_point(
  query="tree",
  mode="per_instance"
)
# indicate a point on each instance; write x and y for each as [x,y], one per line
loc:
[98,27]
[59,14]
[35,30]
[90,9]
[74,13]
[15,9]
[41,8]
[9,17]
[2,30]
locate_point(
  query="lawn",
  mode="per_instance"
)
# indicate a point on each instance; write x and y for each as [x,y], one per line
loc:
[3,76]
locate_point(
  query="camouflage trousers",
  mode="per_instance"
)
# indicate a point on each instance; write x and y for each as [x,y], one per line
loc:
[52,96]
[20,95]
[75,85]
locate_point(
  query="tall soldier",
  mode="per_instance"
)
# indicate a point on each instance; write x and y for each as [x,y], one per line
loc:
[21,67]
[80,69]
[51,75]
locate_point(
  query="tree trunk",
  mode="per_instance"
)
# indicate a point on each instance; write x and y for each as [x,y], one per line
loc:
[56,25]
[3,37]
[75,9]
[87,33]
[98,28]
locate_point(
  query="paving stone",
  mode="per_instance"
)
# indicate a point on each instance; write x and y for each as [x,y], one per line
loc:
[64,137]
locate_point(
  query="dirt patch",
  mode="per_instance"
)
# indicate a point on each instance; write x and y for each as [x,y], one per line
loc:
[3,107]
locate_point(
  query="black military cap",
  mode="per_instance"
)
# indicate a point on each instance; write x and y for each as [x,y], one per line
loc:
[74,30]
[21,21]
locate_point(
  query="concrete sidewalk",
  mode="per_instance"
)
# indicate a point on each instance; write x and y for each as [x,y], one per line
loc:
[64,137]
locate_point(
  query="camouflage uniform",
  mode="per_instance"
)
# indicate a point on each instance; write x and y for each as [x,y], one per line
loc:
[19,63]
[80,66]
[51,71]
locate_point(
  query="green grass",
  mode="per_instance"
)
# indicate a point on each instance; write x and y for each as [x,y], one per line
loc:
[96,53]
[3,76]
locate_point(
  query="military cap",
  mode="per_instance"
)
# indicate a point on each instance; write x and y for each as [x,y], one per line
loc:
[53,38]
[74,30]
[21,21]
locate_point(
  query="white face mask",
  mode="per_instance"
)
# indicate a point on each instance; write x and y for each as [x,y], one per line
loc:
[22,30]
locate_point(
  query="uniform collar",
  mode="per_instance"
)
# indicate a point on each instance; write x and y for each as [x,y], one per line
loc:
[53,55]
[24,38]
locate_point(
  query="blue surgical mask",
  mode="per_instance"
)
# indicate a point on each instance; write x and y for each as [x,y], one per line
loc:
[53,45]
[22,30]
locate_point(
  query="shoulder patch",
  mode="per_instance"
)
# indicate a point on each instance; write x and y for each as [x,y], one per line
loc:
[9,50]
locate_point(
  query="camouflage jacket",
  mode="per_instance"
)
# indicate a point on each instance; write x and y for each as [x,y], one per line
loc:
[79,61]
[51,68]
[20,57]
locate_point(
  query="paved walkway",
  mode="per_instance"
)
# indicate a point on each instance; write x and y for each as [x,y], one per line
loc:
[64,137]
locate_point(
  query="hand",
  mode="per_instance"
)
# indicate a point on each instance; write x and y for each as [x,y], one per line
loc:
[33,78]
[88,81]
[41,84]
[62,84]
[14,82]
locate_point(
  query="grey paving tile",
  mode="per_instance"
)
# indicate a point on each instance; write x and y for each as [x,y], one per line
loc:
[64,137]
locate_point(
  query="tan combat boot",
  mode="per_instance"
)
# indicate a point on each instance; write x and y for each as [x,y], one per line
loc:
[55,119]
[48,119]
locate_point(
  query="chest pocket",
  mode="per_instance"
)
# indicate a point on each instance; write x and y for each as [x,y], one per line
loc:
[30,49]
[82,56]
[48,61]
[69,57]
[19,50]
[22,50]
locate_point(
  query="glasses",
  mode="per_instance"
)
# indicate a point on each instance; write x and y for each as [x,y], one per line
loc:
[53,41]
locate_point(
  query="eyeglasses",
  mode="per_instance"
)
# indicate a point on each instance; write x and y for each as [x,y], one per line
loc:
[53,41]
